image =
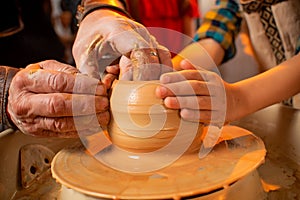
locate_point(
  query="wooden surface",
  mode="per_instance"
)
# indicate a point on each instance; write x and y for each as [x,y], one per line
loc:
[279,127]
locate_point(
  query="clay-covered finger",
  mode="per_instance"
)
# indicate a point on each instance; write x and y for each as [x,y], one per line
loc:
[55,66]
[165,60]
[125,41]
[57,105]
[64,126]
[145,64]
[48,81]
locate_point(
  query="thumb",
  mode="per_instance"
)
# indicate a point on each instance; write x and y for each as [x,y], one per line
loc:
[186,65]
[54,65]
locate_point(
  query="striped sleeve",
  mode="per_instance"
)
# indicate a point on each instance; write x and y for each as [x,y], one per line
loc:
[222,23]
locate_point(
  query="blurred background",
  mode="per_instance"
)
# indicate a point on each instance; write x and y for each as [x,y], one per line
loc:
[47,30]
[188,12]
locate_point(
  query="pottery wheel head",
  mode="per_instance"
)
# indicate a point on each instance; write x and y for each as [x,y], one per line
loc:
[230,161]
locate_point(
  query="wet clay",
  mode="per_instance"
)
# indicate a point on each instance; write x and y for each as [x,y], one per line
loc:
[141,123]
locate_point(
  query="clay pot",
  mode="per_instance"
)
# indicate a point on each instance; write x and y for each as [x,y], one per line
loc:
[141,123]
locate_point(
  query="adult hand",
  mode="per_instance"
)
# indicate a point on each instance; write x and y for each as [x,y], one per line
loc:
[200,95]
[104,36]
[47,98]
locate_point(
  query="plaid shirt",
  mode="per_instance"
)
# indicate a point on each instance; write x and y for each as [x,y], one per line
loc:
[222,23]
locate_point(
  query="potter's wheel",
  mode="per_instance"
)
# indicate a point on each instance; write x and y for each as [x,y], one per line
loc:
[229,161]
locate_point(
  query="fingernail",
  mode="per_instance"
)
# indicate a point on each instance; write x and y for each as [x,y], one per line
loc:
[161,91]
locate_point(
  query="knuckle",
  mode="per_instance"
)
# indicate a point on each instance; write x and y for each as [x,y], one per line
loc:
[19,108]
[58,81]
[103,118]
[56,104]
[18,80]
[59,125]
[54,125]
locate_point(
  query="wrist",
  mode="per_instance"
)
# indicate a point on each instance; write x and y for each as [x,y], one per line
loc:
[238,104]
[119,3]
[89,6]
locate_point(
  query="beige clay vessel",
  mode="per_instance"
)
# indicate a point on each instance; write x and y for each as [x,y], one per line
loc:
[141,123]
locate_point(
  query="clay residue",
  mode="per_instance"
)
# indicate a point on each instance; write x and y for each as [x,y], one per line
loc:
[284,175]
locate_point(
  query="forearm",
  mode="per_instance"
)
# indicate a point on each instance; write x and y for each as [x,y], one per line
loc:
[216,36]
[6,75]
[272,86]
[206,53]
[214,50]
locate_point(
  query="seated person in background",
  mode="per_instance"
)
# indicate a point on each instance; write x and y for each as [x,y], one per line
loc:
[63,27]
[175,16]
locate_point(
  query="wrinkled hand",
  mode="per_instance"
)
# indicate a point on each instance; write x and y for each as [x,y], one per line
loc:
[199,94]
[104,36]
[51,99]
